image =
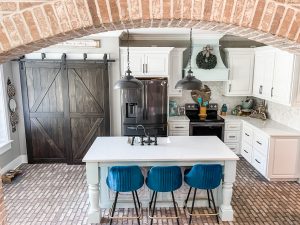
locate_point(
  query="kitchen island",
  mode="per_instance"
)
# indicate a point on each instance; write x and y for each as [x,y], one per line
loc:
[183,151]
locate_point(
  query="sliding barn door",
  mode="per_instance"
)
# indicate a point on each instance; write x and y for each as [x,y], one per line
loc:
[65,108]
[88,95]
[44,112]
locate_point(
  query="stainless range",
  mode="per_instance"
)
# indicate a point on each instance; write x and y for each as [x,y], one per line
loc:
[212,125]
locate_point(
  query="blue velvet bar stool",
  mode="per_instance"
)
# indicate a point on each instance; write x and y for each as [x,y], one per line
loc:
[205,177]
[163,179]
[125,179]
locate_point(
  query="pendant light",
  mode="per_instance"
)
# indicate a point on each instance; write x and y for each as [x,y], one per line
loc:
[189,82]
[128,81]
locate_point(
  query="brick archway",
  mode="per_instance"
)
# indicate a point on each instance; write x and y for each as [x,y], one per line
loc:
[273,22]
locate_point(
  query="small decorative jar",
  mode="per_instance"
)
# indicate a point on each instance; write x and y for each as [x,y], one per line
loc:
[224,110]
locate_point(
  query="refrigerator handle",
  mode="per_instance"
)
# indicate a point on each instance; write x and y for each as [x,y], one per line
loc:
[146,101]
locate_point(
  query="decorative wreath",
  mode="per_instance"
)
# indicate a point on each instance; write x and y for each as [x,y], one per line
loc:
[205,59]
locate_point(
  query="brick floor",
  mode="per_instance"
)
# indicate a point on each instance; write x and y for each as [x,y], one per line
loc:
[57,194]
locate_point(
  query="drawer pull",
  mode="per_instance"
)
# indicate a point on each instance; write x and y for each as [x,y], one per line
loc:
[232,148]
[247,134]
[258,142]
[178,127]
[257,161]
[245,151]
[232,136]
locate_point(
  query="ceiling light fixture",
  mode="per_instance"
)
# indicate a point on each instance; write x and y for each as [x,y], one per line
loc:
[189,82]
[128,81]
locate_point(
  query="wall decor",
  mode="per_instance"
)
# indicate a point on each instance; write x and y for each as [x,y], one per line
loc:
[12,105]
[204,94]
[206,59]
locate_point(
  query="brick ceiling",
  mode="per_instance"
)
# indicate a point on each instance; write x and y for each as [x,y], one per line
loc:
[11,6]
[8,7]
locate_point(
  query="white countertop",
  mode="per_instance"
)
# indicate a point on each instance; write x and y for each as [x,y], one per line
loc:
[269,127]
[178,119]
[169,149]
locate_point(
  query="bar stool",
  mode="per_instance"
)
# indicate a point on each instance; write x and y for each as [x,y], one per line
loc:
[125,179]
[163,179]
[206,177]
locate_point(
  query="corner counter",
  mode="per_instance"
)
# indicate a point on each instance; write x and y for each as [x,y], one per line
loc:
[269,127]
[270,147]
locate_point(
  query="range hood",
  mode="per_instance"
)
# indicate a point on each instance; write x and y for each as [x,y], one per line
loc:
[202,39]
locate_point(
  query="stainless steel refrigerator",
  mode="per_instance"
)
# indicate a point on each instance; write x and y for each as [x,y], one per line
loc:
[147,107]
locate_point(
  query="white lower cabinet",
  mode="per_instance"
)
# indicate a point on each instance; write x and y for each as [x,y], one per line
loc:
[246,152]
[275,157]
[232,135]
[259,162]
[178,127]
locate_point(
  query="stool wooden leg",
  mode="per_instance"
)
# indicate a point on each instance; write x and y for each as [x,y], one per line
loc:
[208,198]
[175,208]
[153,210]
[136,209]
[193,205]
[187,198]
[215,208]
[114,207]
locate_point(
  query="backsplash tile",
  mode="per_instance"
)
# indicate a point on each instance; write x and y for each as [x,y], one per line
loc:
[289,116]
[216,96]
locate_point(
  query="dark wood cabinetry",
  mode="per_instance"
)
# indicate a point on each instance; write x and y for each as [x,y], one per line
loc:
[66,106]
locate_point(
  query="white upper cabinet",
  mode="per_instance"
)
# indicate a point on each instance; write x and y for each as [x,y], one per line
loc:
[176,71]
[147,61]
[282,79]
[240,63]
[263,72]
[276,76]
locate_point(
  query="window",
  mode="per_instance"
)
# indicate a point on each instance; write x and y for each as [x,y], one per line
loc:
[4,130]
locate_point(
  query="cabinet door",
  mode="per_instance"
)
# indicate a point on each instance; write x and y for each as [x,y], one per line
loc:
[263,73]
[284,158]
[241,73]
[136,60]
[175,72]
[157,64]
[282,79]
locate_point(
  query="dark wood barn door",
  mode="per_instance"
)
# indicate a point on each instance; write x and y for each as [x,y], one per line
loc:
[88,100]
[66,106]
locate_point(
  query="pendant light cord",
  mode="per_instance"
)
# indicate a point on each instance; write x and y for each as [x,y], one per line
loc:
[128,67]
[190,61]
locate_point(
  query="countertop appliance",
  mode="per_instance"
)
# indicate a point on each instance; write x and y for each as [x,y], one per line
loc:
[212,125]
[147,107]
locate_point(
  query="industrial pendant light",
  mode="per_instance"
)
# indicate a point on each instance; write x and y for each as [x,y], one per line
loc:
[189,82]
[128,81]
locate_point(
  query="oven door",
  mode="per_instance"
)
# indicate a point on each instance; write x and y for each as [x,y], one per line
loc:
[207,129]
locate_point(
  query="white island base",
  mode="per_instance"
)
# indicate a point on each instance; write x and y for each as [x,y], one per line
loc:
[182,151]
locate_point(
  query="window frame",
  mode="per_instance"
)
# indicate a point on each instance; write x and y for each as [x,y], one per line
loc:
[6,145]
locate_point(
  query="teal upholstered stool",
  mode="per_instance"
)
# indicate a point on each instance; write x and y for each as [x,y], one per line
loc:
[163,179]
[205,177]
[125,179]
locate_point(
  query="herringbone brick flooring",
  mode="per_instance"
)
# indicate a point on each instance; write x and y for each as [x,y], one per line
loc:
[57,194]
